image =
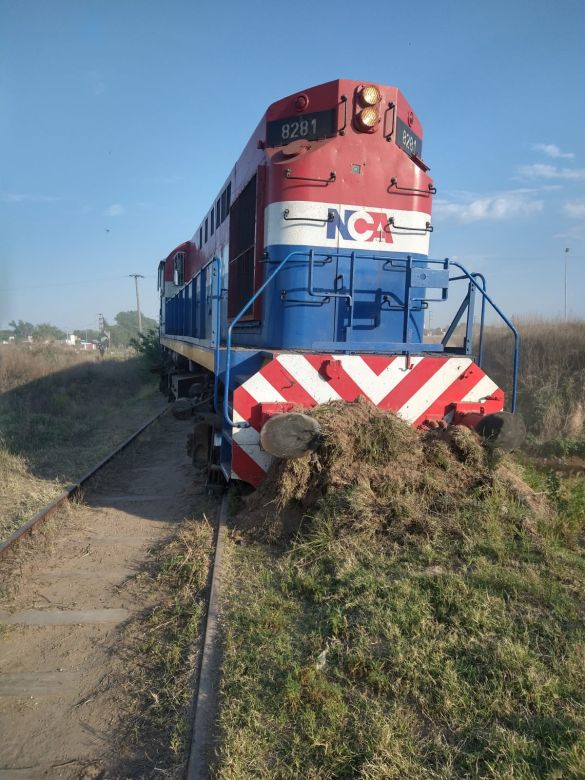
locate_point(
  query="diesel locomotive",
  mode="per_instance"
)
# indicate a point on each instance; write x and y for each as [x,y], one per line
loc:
[308,279]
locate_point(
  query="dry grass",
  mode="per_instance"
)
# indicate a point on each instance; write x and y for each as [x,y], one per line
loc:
[375,475]
[161,654]
[22,364]
[551,388]
[60,412]
[21,493]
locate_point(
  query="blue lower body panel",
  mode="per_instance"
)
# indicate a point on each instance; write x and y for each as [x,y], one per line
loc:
[322,299]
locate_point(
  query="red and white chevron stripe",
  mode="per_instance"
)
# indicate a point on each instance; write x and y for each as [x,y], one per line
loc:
[417,388]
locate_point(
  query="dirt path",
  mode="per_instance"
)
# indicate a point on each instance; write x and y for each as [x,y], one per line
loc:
[59,704]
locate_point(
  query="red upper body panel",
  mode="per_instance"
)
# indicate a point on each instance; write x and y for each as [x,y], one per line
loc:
[370,168]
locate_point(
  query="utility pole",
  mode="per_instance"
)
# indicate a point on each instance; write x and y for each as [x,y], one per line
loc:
[136,278]
[566,263]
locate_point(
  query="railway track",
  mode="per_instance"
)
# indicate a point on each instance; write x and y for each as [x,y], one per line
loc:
[57,707]
[70,492]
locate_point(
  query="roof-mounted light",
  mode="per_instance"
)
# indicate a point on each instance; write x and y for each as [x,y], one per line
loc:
[368,118]
[370,95]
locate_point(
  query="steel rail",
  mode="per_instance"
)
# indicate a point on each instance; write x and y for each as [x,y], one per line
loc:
[208,672]
[72,490]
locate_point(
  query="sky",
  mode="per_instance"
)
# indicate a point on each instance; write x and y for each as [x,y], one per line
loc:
[120,119]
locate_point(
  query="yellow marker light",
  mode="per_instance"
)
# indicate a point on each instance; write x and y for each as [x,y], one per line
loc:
[368,118]
[370,95]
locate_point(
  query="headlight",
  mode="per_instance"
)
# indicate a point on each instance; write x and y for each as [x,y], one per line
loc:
[368,118]
[370,95]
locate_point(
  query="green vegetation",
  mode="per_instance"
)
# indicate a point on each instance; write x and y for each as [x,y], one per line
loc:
[148,344]
[22,331]
[126,328]
[161,658]
[406,607]
[121,333]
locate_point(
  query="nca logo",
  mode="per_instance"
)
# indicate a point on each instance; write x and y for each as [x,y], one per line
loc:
[360,225]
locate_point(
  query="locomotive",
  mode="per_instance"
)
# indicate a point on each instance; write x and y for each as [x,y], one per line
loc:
[307,281]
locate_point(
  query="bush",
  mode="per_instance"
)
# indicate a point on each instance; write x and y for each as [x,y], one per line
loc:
[148,344]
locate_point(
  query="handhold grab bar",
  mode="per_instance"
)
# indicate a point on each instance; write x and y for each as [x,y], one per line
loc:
[332,177]
[343,100]
[428,228]
[328,218]
[431,190]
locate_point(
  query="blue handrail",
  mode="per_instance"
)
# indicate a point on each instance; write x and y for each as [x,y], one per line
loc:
[477,275]
[504,318]
[226,385]
[473,280]
[217,347]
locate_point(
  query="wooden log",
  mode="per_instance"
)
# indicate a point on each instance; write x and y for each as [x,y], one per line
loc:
[289,435]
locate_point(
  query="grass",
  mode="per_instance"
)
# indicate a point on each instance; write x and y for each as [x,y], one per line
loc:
[161,657]
[390,638]
[21,493]
[60,412]
[551,389]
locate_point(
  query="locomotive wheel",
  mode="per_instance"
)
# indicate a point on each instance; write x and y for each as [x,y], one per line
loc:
[216,483]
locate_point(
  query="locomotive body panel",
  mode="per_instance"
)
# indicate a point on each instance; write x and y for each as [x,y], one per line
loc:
[308,278]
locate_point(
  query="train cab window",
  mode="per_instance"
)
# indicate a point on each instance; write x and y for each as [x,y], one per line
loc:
[161,275]
[201,237]
[212,215]
[223,205]
[179,269]
[206,228]
[242,249]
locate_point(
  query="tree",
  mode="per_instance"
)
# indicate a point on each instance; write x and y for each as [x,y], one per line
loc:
[22,330]
[47,332]
[126,327]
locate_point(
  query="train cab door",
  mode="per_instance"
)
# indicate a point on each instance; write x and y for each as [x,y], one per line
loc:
[246,247]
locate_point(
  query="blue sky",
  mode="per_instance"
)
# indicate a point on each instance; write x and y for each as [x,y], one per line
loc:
[120,119]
